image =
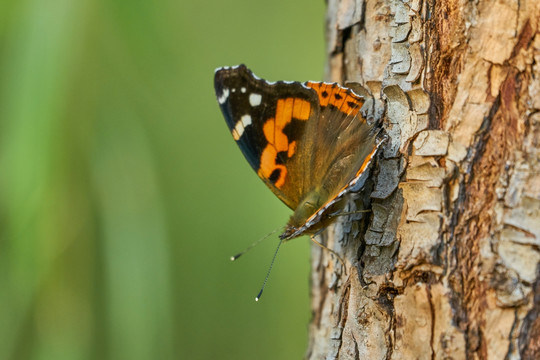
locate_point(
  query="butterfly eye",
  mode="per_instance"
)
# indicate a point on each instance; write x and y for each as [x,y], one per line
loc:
[310,205]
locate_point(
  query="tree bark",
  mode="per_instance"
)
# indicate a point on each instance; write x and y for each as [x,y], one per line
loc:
[446,264]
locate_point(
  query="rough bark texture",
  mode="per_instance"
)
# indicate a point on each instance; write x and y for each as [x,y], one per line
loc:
[446,265]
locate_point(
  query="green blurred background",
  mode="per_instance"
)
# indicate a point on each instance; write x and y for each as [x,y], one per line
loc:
[122,192]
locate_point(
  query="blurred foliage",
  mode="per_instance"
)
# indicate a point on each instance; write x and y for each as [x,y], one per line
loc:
[122,194]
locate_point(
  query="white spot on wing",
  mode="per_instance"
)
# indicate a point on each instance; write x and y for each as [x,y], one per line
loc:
[246,120]
[240,126]
[255,99]
[243,89]
[224,95]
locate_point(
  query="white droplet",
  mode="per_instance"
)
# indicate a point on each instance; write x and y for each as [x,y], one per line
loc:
[224,95]
[246,120]
[240,126]
[255,99]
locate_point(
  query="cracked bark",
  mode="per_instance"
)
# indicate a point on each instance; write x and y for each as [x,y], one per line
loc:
[446,264]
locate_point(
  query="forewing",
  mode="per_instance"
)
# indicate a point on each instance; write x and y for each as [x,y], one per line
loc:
[268,121]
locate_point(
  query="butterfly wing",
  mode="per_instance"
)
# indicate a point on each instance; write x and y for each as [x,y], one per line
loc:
[308,142]
[340,146]
[343,139]
[268,122]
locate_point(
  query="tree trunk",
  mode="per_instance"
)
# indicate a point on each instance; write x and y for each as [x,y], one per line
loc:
[446,264]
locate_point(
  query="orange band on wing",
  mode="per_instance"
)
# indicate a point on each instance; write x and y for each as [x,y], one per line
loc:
[269,169]
[301,109]
[286,110]
[342,99]
[292,149]
[268,129]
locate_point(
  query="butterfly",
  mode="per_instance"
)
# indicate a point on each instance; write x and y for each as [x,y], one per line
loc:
[307,141]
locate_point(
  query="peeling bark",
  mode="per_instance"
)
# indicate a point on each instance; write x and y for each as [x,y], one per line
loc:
[447,263]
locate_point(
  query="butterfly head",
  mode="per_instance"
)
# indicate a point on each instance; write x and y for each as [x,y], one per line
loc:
[309,206]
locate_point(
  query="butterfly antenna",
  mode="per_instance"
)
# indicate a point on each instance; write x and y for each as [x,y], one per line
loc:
[254,244]
[269,270]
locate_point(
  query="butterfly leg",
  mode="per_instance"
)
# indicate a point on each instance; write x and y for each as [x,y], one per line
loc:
[350,213]
[312,237]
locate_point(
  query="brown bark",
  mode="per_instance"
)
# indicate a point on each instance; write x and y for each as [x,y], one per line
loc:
[446,266]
